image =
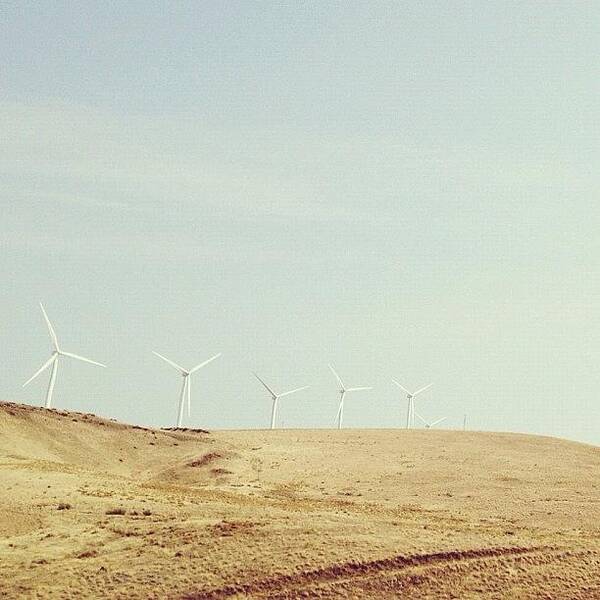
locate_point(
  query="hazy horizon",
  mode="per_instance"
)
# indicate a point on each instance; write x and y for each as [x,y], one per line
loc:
[400,190]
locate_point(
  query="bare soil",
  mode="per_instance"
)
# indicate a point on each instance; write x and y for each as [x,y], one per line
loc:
[91,508]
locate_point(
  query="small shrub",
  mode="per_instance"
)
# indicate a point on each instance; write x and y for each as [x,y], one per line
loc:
[64,506]
[116,511]
[205,460]
[146,512]
[220,471]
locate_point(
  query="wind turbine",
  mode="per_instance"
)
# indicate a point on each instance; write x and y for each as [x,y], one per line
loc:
[410,413]
[426,423]
[343,391]
[275,397]
[53,360]
[186,388]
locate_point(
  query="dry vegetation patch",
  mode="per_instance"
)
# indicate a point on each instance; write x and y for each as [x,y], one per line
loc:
[285,514]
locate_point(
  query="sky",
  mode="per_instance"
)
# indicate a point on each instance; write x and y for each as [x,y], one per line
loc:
[403,190]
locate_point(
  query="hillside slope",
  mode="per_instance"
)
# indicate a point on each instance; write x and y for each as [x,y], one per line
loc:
[94,508]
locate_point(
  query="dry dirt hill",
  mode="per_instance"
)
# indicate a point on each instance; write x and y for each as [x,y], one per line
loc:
[91,508]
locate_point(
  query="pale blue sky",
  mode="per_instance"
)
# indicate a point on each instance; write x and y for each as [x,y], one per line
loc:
[405,190]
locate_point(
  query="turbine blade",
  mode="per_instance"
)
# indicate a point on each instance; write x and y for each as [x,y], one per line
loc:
[422,389]
[266,386]
[205,363]
[337,377]
[82,358]
[292,391]
[422,419]
[170,362]
[356,389]
[50,328]
[438,421]
[41,369]
[402,387]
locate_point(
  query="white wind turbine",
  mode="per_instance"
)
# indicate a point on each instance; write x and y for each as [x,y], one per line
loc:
[343,391]
[53,360]
[186,388]
[275,397]
[410,413]
[426,423]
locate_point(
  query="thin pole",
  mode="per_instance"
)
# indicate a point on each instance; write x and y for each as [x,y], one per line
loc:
[337,416]
[408,413]
[341,410]
[465,423]
[273,412]
[52,382]
[182,402]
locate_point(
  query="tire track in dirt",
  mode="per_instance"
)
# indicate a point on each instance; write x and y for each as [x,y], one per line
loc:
[339,572]
[492,577]
[507,576]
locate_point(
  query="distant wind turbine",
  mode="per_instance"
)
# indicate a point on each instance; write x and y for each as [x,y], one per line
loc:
[410,413]
[343,391]
[275,397]
[186,388]
[53,360]
[426,423]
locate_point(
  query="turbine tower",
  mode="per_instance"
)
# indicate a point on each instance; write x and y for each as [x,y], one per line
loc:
[410,413]
[426,423]
[53,360]
[275,397]
[343,391]
[186,388]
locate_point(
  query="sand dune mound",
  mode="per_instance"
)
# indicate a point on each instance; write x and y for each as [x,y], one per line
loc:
[87,442]
[94,508]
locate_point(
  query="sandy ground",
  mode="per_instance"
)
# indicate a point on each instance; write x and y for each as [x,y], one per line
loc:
[91,508]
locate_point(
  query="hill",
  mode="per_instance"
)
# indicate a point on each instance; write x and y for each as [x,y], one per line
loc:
[94,508]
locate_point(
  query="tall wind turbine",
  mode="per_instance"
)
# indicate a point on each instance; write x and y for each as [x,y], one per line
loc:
[53,360]
[186,388]
[343,391]
[426,423]
[275,397]
[410,413]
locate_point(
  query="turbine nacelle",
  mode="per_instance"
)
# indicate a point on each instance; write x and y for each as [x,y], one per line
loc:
[186,390]
[427,424]
[343,391]
[410,396]
[275,397]
[53,360]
